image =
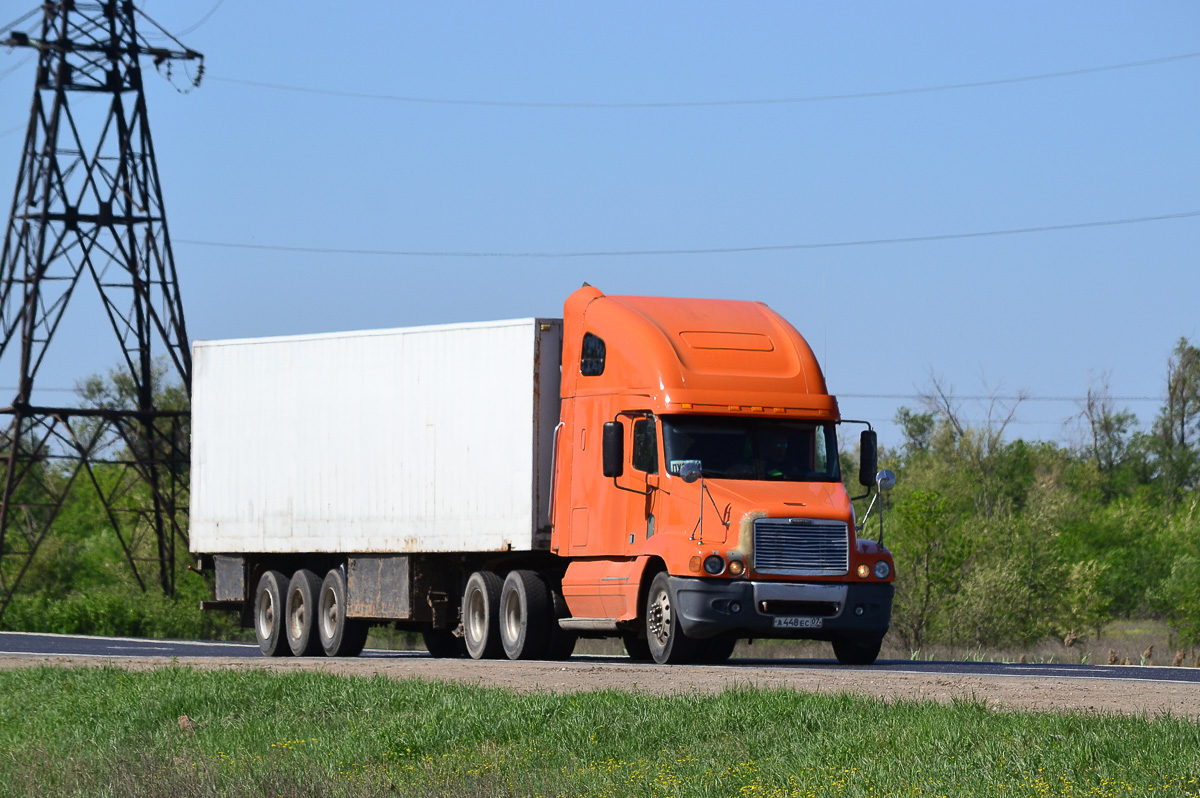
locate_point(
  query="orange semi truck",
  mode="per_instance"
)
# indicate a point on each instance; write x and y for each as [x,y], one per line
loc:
[662,470]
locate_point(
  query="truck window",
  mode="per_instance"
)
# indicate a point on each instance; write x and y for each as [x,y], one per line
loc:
[591,364]
[752,448]
[645,445]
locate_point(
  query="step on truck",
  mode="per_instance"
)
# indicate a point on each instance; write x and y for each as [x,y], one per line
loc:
[660,470]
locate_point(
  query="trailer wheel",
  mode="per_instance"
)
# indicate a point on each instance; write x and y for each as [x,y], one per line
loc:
[269,612]
[302,613]
[668,644]
[340,636]
[524,615]
[443,643]
[481,616]
[562,642]
[850,651]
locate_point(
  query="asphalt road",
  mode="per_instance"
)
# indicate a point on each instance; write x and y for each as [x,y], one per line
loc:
[42,645]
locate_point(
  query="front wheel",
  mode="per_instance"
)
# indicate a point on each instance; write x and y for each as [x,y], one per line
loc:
[852,651]
[667,642]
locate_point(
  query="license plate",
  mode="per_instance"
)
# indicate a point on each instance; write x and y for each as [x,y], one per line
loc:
[798,622]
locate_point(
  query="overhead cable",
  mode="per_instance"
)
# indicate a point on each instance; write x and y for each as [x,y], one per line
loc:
[690,251]
[202,20]
[815,98]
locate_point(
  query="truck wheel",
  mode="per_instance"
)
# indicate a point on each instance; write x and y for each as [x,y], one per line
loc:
[856,652]
[716,650]
[443,643]
[481,616]
[562,641]
[340,636]
[269,600]
[524,615]
[302,613]
[637,648]
[668,644]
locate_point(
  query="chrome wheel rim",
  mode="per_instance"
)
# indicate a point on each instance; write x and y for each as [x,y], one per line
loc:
[266,615]
[659,619]
[512,616]
[476,617]
[297,616]
[329,618]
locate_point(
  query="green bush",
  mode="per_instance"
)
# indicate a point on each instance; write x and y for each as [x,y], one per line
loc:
[118,611]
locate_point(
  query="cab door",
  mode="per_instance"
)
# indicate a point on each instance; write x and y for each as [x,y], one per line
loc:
[641,486]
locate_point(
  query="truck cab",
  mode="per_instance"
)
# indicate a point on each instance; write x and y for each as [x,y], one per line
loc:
[697,495]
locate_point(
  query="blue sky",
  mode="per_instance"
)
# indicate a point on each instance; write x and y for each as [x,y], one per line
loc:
[1040,312]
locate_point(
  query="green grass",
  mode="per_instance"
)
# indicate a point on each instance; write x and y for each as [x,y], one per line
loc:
[100,732]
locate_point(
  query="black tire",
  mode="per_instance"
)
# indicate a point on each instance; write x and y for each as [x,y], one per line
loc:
[562,641]
[340,636]
[668,644]
[856,652]
[716,650]
[270,599]
[636,647]
[481,616]
[524,615]
[301,626]
[444,644]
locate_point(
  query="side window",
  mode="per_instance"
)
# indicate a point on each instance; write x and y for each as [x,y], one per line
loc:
[591,364]
[645,445]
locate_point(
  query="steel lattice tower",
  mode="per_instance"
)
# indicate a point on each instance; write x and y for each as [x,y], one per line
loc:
[88,209]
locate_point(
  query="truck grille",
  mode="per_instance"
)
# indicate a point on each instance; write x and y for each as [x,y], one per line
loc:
[801,547]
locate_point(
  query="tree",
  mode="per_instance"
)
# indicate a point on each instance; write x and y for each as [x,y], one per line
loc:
[931,552]
[1177,428]
[979,448]
[1109,431]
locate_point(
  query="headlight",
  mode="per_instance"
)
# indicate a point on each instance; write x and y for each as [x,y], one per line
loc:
[864,571]
[714,564]
[882,569]
[736,567]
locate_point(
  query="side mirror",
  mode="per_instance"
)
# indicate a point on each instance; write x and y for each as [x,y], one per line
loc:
[869,458]
[689,472]
[614,448]
[886,480]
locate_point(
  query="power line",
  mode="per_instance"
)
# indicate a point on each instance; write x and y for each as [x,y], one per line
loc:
[202,20]
[695,251]
[816,98]
[15,67]
[20,19]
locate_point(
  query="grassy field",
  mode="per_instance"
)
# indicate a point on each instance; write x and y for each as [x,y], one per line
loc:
[98,732]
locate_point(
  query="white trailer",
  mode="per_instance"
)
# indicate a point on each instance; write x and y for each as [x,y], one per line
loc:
[366,445]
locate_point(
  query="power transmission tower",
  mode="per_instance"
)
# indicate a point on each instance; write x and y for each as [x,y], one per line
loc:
[88,211]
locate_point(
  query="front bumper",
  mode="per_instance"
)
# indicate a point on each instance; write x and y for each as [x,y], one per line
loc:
[807,610]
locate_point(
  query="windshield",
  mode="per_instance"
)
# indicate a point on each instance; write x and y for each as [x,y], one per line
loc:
[752,448]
